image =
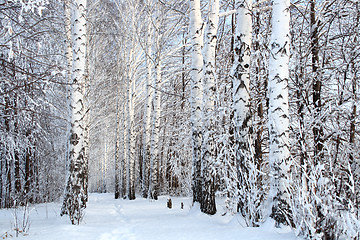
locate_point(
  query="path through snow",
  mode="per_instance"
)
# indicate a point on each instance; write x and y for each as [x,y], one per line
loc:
[110,219]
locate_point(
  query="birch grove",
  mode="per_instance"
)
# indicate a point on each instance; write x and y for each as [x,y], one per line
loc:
[246,107]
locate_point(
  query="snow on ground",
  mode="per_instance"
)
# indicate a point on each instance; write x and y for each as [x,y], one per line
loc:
[141,219]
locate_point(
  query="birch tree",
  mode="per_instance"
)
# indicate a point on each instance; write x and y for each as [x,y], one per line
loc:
[155,143]
[76,193]
[244,152]
[279,113]
[130,82]
[117,174]
[153,99]
[149,92]
[208,155]
[196,34]
[130,169]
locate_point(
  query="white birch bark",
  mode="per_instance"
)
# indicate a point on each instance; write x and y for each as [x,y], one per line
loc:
[67,19]
[127,138]
[132,138]
[155,151]
[104,163]
[241,100]
[279,112]
[147,115]
[196,34]
[124,167]
[209,96]
[75,194]
[131,94]
[117,155]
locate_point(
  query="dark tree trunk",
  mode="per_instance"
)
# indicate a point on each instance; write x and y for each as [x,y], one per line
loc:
[117,175]
[208,205]
[317,85]
[318,131]
[28,170]
[197,179]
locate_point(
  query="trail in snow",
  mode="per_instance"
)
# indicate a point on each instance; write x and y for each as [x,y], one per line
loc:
[110,219]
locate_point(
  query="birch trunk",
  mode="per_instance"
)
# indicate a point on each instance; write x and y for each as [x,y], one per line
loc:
[208,148]
[155,151]
[241,100]
[279,112]
[75,194]
[127,138]
[147,118]
[124,161]
[67,19]
[132,143]
[131,80]
[196,33]
[117,156]
[317,85]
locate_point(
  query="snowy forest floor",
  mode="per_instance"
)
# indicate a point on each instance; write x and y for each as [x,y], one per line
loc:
[141,219]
